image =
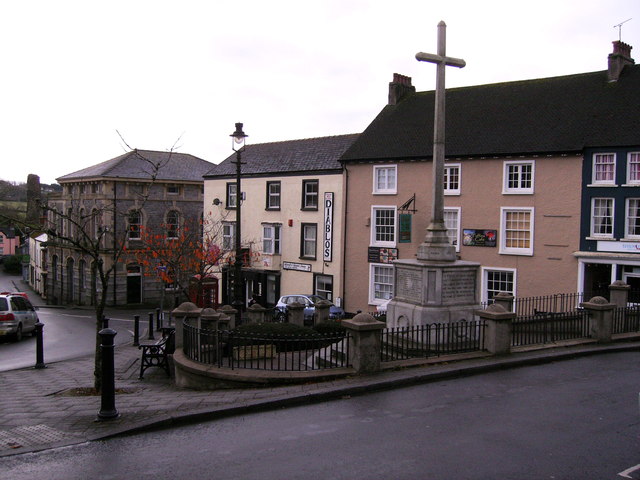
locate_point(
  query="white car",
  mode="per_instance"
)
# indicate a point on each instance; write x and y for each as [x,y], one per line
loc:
[335,313]
[17,316]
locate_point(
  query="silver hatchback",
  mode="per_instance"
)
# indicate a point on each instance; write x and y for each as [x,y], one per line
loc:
[17,316]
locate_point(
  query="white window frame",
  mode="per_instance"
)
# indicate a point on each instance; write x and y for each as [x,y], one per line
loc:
[380,299]
[504,249]
[387,189]
[310,199]
[173,228]
[485,280]
[506,177]
[232,195]
[453,233]
[308,241]
[228,235]
[606,181]
[449,187]
[271,238]
[633,158]
[612,209]
[628,215]
[274,198]
[374,227]
[134,234]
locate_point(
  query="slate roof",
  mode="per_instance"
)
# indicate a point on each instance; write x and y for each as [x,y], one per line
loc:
[542,116]
[140,164]
[316,155]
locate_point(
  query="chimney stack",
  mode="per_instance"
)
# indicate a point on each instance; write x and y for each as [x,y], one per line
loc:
[620,57]
[400,88]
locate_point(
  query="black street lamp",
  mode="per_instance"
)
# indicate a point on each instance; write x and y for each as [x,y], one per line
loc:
[238,145]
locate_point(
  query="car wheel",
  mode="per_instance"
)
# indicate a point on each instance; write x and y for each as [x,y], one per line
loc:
[18,335]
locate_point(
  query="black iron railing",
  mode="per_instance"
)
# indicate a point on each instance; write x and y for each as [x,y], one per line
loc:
[558,303]
[626,320]
[549,327]
[276,352]
[433,340]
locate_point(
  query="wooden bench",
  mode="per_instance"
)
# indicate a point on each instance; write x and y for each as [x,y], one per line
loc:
[156,354]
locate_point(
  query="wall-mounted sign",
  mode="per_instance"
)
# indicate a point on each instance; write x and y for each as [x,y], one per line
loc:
[382,255]
[479,238]
[327,244]
[404,233]
[300,267]
[621,247]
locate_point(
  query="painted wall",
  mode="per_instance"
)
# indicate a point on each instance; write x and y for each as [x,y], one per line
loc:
[556,201]
[290,215]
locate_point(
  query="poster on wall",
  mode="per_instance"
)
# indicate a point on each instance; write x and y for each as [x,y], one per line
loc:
[479,238]
[382,255]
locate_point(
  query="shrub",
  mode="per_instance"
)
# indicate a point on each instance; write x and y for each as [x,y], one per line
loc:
[272,329]
[12,264]
[285,336]
[330,327]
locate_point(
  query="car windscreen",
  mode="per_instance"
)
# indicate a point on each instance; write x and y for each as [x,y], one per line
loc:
[4,306]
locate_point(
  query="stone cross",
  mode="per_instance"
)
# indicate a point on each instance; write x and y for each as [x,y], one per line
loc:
[436,245]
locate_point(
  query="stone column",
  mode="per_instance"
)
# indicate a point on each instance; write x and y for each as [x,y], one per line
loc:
[256,313]
[365,342]
[600,318]
[209,319]
[295,312]
[181,314]
[322,311]
[619,293]
[232,313]
[497,337]
[505,300]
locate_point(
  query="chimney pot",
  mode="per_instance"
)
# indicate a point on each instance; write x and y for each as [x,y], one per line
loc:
[620,57]
[400,88]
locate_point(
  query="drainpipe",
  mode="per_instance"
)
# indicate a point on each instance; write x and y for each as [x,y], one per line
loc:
[345,189]
[115,269]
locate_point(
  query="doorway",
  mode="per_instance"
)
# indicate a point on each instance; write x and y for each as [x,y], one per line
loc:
[134,284]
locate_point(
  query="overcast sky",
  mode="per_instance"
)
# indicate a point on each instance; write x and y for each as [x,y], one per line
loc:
[179,74]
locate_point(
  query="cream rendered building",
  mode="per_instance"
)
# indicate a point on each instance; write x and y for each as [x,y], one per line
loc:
[291,219]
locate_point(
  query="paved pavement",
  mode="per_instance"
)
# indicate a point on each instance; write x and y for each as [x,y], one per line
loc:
[35,413]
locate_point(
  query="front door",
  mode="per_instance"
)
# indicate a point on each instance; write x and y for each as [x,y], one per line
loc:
[134,284]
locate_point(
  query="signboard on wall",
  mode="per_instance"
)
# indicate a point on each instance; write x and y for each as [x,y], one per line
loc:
[479,238]
[382,255]
[327,242]
[620,247]
[404,233]
[300,267]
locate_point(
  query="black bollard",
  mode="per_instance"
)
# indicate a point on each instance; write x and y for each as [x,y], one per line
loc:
[105,322]
[151,326]
[136,330]
[158,323]
[39,346]
[108,401]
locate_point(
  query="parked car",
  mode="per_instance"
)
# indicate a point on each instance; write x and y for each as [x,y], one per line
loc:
[17,316]
[335,313]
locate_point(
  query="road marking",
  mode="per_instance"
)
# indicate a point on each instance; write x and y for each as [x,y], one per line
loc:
[626,473]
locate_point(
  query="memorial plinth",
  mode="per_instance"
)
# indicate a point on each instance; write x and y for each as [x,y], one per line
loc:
[435,287]
[433,292]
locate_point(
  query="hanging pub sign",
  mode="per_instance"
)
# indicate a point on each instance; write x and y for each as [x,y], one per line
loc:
[327,242]
[382,255]
[479,238]
[404,222]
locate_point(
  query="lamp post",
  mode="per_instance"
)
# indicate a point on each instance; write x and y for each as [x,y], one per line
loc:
[238,145]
